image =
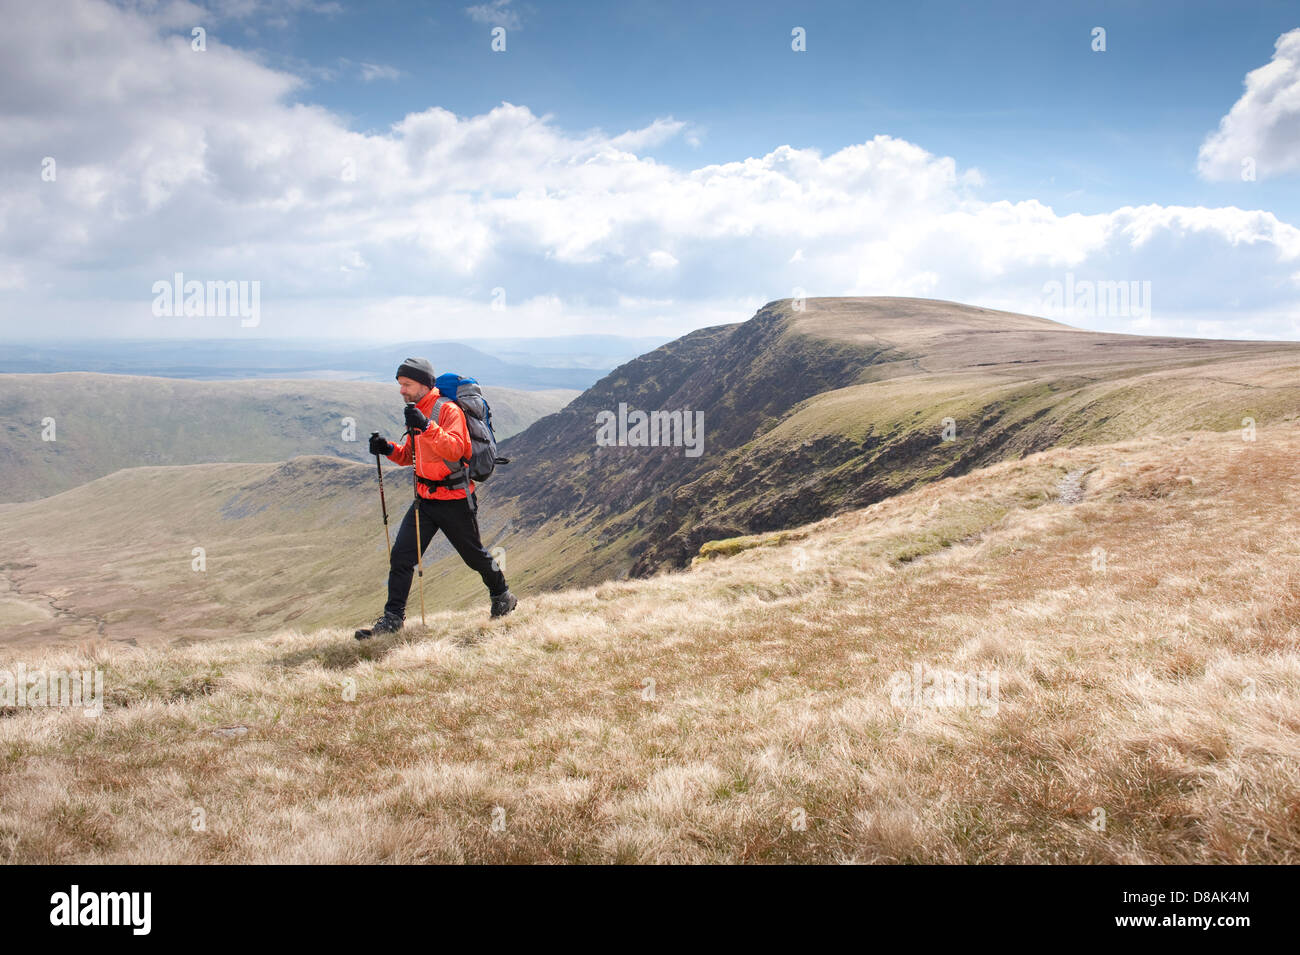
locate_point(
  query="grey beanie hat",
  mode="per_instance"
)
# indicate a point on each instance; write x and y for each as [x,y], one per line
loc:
[417,369]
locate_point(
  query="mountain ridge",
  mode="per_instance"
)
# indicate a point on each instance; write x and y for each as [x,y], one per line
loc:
[888,371]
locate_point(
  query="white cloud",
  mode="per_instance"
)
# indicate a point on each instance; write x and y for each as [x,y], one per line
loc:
[375,71]
[170,160]
[656,134]
[497,13]
[1263,126]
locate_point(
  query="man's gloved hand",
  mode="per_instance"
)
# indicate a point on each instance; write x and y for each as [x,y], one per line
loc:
[415,419]
[380,445]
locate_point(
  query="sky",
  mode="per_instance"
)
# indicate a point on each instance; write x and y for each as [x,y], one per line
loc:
[397,170]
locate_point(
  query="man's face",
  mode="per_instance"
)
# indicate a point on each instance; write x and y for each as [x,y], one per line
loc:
[412,391]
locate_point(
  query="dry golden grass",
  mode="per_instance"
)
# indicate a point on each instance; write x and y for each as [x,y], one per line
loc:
[1145,640]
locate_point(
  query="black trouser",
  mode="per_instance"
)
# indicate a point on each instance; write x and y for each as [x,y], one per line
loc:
[458,522]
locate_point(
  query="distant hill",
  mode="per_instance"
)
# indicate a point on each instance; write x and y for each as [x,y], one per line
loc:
[569,362]
[106,422]
[810,413]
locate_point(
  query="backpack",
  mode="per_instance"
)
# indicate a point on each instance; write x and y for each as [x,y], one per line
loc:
[468,396]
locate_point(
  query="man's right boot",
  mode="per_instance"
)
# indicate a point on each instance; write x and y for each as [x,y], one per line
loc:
[388,623]
[503,603]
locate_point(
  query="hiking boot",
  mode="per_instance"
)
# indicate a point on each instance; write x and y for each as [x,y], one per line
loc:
[388,623]
[503,603]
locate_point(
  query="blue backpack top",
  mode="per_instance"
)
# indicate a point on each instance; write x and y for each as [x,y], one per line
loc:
[478,419]
[449,383]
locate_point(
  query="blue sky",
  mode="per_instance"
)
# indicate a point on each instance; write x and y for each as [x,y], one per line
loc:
[1013,88]
[644,169]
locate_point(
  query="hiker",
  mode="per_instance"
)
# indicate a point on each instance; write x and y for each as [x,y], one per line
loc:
[445,495]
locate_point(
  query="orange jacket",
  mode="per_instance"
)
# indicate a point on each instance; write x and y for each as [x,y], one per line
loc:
[446,439]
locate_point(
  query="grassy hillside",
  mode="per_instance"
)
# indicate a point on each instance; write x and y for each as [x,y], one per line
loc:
[299,543]
[809,413]
[1136,603]
[103,423]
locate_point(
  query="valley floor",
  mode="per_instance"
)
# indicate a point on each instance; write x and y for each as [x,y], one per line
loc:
[1113,630]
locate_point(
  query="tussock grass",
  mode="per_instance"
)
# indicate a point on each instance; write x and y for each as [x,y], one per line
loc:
[1144,637]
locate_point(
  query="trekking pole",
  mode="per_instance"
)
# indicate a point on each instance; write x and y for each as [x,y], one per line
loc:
[419,559]
[382,503]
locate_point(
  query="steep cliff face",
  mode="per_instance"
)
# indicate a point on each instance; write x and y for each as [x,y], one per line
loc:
[741,377]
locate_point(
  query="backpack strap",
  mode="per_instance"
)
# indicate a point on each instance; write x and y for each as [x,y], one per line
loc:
[457,471]
[452,466]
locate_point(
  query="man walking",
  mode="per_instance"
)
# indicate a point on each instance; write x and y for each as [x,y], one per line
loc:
[440,446]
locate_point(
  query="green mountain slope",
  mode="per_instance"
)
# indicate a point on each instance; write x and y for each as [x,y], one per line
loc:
[106,422]
[297,543]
